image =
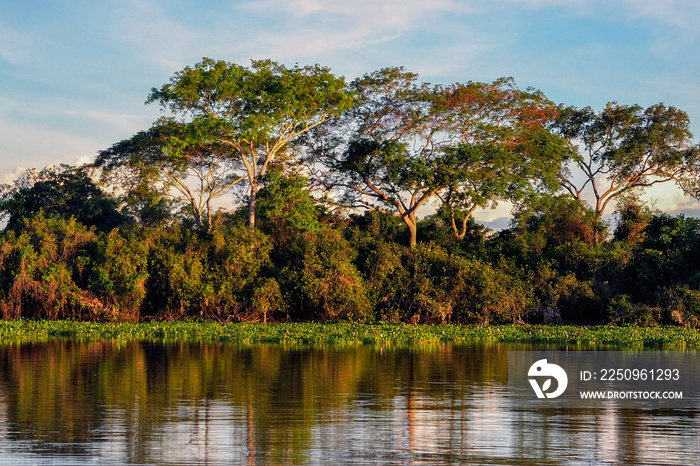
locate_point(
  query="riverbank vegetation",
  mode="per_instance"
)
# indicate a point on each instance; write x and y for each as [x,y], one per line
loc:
[356,334]
[328,178]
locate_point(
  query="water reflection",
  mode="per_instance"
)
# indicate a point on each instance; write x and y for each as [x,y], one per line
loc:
[138,402]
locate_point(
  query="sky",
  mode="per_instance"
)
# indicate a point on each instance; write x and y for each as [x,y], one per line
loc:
[75,74]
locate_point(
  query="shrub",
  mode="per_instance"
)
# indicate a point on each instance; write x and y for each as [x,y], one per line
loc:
[38,269]
[319,279]
[202,275]
[426,284]
[119,271]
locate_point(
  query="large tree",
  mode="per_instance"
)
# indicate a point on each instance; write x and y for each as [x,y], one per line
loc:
[624,147]
[498,149]
[257,112]
[407,143]
[181,162]
[380,153]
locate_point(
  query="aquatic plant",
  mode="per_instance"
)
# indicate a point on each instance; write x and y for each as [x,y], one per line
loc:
[356,334]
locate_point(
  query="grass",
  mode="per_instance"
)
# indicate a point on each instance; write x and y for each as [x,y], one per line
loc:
[352,334]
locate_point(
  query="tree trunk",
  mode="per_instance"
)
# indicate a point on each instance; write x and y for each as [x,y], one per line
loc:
[197,215]
[251,204]
[410,221]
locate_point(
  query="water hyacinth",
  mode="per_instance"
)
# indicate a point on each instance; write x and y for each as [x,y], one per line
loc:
[355,334]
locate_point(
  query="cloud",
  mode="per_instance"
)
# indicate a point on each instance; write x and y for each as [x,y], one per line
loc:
[117,123]
[678,13]
[84,160]
[147,29]
[669,198]
[391,13]
[311,27]
[9,177]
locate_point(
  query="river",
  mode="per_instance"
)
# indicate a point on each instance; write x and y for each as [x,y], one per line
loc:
[69,402]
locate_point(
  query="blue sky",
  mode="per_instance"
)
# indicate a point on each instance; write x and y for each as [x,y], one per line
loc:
[74,74]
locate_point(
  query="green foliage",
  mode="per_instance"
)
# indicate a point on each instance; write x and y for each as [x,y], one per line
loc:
[680,306]
[426,284]
[436,229]
[285,206]
[667,256]
[118,274]
[64,191]
[632,218]
[38,267]
[255,112]
[469,145]
[206,276]
[172,164]
[267,300]
[355,334]
[550,221]
[319,278]
[380,225]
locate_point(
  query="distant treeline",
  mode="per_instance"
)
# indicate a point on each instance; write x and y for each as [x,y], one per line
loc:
[330,176]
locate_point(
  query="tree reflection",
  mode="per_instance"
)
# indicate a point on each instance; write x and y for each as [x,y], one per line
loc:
[157,403]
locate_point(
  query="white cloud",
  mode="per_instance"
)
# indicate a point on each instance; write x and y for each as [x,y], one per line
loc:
[311,27]
[534,4]
[10,176]
[679,13]
[669,198]
[388,12]
[118,123]
[488,215]
[84,160]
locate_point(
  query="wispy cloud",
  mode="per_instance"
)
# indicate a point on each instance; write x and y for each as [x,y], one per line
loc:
[670,198]
[391,13]
[311,27]
[149,31]
[678,13]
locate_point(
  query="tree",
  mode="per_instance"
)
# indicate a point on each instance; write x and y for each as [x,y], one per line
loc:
[407,143]
[380,152]
[286,207]
[63,191]
[256,112]
[501,149]
[163,161]
[626,147]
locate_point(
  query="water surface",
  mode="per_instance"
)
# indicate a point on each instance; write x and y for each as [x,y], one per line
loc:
[151,403]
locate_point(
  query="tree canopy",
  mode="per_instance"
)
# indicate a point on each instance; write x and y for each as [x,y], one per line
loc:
[63,191]
[256,112]
[388,148]
[180,161]
[624,147]
[469,145]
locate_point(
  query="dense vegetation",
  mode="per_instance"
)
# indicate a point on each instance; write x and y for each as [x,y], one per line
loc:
[330,177]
